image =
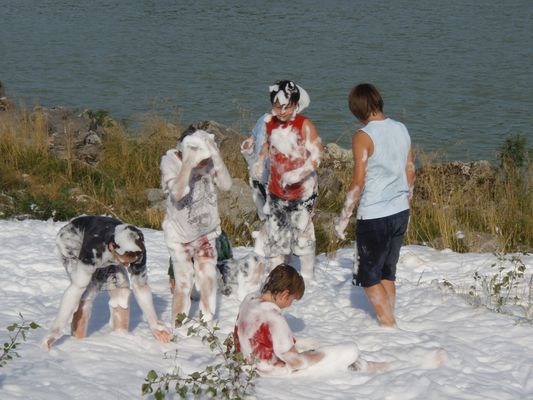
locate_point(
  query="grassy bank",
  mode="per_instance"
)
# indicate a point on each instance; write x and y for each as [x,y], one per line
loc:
[444,211]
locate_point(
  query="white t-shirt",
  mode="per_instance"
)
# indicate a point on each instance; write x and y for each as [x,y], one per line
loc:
[263,333]
[196,213]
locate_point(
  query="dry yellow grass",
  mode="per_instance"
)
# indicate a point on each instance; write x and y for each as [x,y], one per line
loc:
[31,179]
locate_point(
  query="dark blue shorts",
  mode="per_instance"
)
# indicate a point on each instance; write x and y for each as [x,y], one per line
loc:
[378,244]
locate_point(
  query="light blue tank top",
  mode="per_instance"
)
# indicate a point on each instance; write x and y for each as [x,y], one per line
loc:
[386,190]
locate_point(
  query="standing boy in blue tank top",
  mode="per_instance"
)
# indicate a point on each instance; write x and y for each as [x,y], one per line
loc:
[383,180]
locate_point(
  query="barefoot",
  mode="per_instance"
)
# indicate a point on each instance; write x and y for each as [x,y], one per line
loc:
[362,365]
[50,339]
[434,359]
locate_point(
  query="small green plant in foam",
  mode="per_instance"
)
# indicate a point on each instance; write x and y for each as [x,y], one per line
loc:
[232,378]
[17,330]
[508,290]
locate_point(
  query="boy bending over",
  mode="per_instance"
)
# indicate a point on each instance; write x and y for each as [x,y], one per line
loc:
[97,252]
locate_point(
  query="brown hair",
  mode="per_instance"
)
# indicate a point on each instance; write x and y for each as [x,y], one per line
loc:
[285,277]
[364,99]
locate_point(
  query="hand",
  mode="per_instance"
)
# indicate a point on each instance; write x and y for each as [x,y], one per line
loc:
[213,151]
[195,149]
[247,145]
[290,178]
[212,147]
[161,332]
[189,157]
[340,227]
[50,339]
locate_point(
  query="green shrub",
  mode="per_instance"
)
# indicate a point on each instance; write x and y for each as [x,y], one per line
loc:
[232,378]
[18,329]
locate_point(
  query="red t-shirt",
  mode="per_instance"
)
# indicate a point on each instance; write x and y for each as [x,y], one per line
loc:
[286,143]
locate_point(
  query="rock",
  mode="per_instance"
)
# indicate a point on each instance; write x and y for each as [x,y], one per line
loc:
[237,204]
[332,151]
[71,136]
[155,195]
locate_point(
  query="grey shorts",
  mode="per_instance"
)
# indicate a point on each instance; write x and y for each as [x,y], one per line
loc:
[289,226]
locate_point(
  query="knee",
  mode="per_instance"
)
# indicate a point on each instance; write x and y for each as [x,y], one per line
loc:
[120,298]
[207,268]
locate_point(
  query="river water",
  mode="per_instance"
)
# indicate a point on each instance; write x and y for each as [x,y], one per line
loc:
[458,74]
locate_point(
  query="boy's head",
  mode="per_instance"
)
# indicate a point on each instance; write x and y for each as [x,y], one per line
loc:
[285,93]
[284,278]
[364,100]
[285,97]
[127,245]
[193,139]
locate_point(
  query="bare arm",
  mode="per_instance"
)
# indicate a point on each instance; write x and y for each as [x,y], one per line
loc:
[314,148]
[298,361]
[259,165]
[247,150]
[362,148]
[410,172]
[80,278]
[222,176]
[143,294]
[175,175]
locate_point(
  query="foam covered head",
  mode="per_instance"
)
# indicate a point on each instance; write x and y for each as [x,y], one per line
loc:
[127,239]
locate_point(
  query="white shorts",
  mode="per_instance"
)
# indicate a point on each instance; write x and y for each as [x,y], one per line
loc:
[289,226]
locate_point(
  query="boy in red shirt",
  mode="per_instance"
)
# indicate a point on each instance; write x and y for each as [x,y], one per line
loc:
[293,149]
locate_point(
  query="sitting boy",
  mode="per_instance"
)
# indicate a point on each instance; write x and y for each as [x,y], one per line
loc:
[97,252]
[263,335]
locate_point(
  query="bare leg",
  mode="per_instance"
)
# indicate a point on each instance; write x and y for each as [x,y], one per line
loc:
[120,318]
[172,284]
[362,365]
[258,270]
[181,299]
[69,304]
[81,318]
[307,266]
[390,288]
[206,281]
[273,262]
[119,306]
[377,295]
